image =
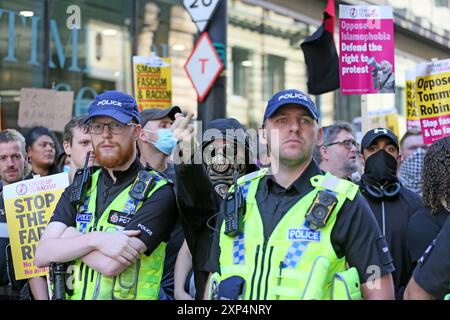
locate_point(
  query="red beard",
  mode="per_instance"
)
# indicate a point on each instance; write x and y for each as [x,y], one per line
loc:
[116,159]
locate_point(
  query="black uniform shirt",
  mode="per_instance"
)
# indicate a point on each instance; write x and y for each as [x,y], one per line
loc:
[157,214]
[355,234]
[433,270]
[423,228]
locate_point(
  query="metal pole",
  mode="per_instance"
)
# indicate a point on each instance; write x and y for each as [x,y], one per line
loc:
[134,27]
[365,126]
[214,106]
[48,8]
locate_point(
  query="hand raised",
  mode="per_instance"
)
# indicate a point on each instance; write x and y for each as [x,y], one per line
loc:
[181,128]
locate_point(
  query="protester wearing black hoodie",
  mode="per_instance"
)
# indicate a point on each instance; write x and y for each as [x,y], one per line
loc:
[200,189]
[392,204]
[424,228]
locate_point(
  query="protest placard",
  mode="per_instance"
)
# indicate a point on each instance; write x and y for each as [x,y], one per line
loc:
[29,205]
[433,99]
[45,107]
[366,62]
[384,119]
[152,82]
[412,114]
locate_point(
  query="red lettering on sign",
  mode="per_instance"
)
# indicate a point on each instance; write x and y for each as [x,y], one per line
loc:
[203,61]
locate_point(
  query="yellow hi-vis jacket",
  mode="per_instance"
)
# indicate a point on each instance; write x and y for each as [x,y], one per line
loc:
[140,281]
[295,262]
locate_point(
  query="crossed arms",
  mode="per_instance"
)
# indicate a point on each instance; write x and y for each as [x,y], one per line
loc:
[106,252]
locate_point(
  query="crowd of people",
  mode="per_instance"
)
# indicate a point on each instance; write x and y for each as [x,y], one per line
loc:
[172,213]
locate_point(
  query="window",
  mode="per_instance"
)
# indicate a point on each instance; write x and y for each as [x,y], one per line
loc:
[347,107]
[441,3]
[241,71]
[84,61]
[275,75]
[22,56]
[400,100]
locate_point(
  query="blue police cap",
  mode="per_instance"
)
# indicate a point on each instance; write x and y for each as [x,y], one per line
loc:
[115,104]
[290,96]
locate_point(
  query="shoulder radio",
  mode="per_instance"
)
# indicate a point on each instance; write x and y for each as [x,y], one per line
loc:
[234,209]
[80,183]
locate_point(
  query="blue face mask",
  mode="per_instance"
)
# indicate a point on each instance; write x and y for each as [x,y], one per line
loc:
[66,168]
[166,141]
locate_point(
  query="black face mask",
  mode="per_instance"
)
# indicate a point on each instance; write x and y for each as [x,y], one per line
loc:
[380,168]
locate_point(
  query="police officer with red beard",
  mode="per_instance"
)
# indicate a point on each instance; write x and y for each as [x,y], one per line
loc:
[115,234]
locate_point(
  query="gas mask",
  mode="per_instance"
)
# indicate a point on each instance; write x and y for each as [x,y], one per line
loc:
[221,160]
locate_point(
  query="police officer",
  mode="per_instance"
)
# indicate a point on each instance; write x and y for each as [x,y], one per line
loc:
[431,278]
[116,231]
[392,204]
[299,228]
[13,160]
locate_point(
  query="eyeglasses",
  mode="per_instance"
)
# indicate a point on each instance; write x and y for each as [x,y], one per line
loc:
[348,144]
[113,127]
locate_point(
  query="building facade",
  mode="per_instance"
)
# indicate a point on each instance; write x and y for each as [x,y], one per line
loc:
[40,48]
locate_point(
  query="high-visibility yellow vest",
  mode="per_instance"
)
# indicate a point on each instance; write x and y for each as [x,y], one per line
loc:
[139,281]
[295,262]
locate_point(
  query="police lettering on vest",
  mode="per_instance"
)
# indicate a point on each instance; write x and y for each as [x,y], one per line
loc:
[84,217]
[109,102]
[303,234]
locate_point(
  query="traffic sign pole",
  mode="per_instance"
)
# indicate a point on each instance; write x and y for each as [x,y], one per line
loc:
[214,106]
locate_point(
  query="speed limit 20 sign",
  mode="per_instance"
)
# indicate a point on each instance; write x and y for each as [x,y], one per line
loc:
[201,11]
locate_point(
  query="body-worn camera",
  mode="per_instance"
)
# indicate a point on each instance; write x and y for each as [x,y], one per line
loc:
[320,210]
[143,184]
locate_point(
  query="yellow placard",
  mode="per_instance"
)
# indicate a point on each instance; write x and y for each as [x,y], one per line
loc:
[433,95]
[433,99]
[412,114]
[392,123]
[29,205]
[152,82]
[385,120]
